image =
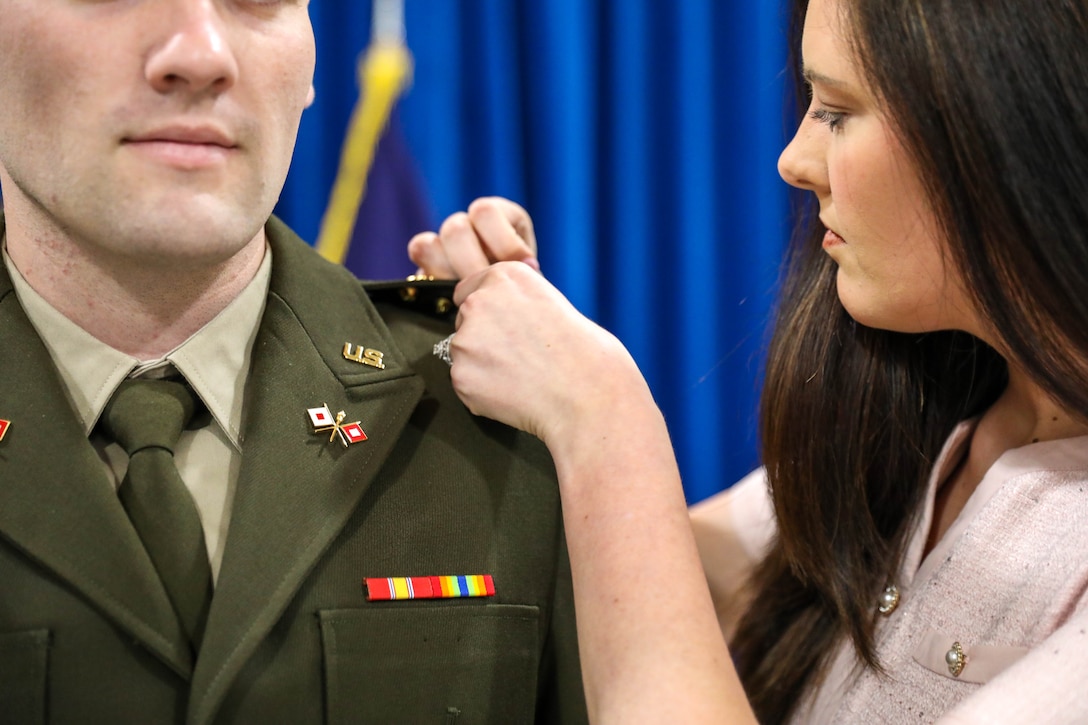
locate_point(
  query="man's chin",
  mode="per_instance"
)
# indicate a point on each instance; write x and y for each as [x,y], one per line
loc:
[186,236]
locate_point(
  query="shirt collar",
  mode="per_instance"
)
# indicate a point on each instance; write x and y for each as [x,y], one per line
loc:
[215,360]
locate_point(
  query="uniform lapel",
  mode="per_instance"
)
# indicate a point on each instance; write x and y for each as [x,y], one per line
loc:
[57,506]
[296,489]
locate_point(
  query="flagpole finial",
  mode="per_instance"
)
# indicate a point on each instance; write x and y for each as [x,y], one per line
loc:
[387,23]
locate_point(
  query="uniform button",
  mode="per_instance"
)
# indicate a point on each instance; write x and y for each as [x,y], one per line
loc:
[889,600]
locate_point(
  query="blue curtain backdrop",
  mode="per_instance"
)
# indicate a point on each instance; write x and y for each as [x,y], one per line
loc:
[642,135]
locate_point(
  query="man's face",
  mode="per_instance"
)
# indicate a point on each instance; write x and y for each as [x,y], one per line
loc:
[158,130]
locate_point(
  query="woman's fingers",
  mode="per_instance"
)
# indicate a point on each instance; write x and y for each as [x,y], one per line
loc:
[505,229]
[492,230]
[426,252]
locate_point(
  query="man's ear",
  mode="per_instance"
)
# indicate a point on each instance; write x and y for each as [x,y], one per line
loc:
[310,96]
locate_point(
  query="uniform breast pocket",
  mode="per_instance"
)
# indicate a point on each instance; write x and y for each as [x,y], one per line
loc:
[450,664]
[24,660]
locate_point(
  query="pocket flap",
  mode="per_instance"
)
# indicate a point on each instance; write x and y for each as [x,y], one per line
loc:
[980,662]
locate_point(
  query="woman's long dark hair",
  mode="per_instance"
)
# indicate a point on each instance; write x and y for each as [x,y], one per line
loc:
[990,99]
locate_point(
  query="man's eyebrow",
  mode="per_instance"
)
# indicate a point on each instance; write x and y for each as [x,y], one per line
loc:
[812,77]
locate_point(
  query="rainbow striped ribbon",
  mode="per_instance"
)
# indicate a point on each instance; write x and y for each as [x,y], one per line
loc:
[384,589]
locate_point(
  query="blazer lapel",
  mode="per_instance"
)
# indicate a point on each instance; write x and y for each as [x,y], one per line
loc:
[56,504]
[296,489]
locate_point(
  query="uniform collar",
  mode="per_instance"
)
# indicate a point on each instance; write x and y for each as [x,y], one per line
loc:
[215,360]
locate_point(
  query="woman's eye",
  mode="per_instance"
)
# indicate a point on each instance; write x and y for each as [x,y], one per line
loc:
[833,119]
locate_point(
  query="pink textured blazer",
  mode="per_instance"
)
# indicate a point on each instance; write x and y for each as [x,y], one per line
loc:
[990,627]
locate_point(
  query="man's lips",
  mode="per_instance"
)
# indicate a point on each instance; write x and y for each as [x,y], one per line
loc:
[184,147]
[201,135]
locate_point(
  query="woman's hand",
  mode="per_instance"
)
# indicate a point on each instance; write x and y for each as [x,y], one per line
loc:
[525,356]
[492,230]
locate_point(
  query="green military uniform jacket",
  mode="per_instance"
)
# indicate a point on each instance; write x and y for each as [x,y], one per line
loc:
[87,634]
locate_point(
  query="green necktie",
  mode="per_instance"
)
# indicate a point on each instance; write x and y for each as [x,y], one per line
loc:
[146,417]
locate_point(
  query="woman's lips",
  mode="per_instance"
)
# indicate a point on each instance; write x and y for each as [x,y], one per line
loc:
[831,239]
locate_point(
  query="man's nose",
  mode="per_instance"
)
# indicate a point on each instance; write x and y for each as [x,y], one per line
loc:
[194,52]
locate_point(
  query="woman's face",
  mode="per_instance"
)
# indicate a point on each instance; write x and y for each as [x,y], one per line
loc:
[882,233]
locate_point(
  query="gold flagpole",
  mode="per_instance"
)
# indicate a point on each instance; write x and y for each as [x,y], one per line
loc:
[385,71]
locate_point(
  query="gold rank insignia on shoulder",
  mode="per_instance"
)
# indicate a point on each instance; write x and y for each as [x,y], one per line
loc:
[364,356]
[4,425]
[324,422]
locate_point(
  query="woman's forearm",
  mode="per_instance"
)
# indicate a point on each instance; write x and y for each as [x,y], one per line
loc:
[650,643]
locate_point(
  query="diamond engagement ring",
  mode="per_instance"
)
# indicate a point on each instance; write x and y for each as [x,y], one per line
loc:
[442,350]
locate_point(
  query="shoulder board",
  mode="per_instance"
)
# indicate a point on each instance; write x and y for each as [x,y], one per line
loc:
[432,297]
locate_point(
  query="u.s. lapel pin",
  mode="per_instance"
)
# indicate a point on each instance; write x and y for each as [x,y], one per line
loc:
[364,355]
[324,422]
[4,425]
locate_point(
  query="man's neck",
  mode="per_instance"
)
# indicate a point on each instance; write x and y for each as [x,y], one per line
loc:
[142,308]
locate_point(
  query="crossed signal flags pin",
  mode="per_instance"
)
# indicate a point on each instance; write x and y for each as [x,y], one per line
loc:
[324,422]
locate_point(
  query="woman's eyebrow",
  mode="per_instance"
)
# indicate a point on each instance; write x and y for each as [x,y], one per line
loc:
[812,77]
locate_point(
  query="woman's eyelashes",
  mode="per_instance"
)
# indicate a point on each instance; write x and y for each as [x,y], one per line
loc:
[833,119]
